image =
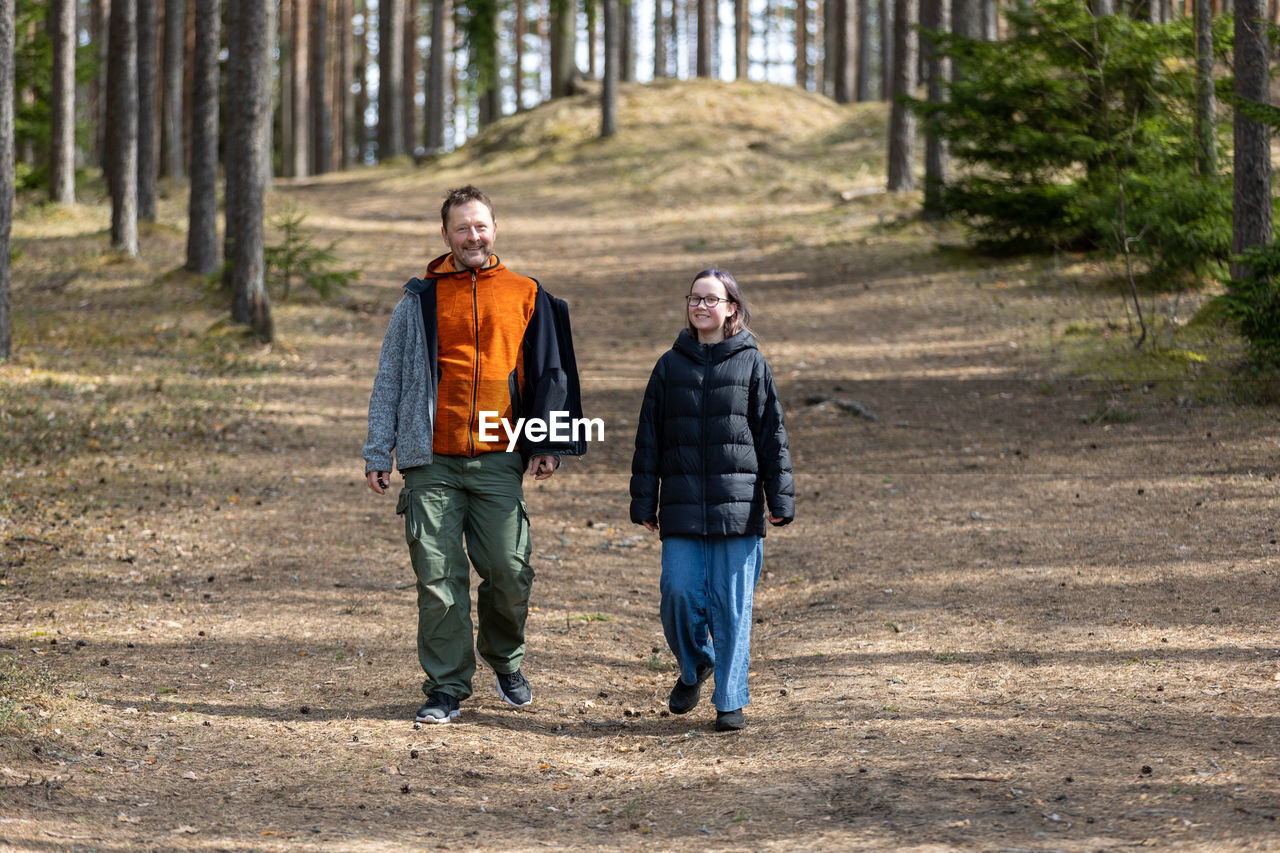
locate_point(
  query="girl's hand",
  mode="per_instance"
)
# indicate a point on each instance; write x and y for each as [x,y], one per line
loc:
[651,526]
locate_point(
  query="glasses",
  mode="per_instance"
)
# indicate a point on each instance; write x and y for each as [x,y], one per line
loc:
[709,301]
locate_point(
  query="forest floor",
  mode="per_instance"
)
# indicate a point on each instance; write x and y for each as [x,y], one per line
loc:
[1030,606]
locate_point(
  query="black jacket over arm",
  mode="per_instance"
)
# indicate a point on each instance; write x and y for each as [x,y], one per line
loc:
[711,447]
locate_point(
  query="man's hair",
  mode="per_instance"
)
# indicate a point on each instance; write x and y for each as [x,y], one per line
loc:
[741,319]
[462,195]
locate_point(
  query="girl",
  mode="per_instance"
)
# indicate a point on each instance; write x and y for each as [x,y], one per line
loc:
[711,452]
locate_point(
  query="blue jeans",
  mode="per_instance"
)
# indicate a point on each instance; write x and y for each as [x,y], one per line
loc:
[707,586]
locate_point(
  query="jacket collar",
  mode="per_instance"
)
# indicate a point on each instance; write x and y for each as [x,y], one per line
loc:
[688,345]
[444,266]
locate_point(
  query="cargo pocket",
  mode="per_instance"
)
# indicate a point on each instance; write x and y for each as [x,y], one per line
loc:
[412,512]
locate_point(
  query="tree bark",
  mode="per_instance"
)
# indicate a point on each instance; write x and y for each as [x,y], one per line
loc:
[1206,107]
[706,25]
[62,118]
[626,42]
[390,79]
[249,73]
[99,95]
[563,41]
[409,88]
[902,122]
[846,36]
[435,78]
[361,129]
[6,170]
[887,57]
[866,66]
[936,159]
[299,154]
[122,86]
[321,119]
[148,76]
[172,142]
[612,53]
[202,210]
[660,36]
[1251,208]
[803,75]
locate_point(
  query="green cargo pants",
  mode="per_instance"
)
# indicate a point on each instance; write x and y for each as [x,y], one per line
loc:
[477,499]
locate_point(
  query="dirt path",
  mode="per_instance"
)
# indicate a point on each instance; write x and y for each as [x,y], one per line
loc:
[993,626]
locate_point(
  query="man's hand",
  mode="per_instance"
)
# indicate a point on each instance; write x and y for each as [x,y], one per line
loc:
[379,481]
[543,466]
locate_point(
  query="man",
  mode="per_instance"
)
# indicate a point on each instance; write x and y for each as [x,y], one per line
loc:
[469,344]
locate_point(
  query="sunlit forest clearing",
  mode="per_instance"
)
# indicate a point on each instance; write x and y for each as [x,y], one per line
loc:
[1028,601]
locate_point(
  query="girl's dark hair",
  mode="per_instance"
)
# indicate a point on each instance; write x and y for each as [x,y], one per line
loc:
[462,195]
[740,320]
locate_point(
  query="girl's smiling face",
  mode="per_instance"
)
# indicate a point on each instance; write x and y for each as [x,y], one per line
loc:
[709,320]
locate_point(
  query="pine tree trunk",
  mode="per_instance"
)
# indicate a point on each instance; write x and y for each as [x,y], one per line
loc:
[172,143]
[62,118]
[706,26]
[609,91]
[846,37]
[300,90]
[390,79]
[937,17]
[902,122]
[1206,109]
[866,65]
[435,79]
[563,42]
[660,36]
[345,101]
[409,51]
[321,121]
[361,129]
[202,211]
[99,95]
[148,77]
[249,77]
[6,170]
[1251,208]
[122,87]
[626,42]
[887,58]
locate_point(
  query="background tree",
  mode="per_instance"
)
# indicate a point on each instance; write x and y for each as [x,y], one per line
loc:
[707,19]
[202,206]
[409,89]
[434,140]
[1251,206]
[62,115]
[936,19]
[321,128]
[6,168]
[902,121]
[172,143]
[612,52]
[563,42]
[148,75]
[122,88]
[249,80]
[390,79]
[1206,106]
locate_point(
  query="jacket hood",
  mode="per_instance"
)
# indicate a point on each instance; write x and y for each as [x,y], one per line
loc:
[445,266]
[687,344]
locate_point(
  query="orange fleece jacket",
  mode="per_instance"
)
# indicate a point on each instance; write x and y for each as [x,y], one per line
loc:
[482,316]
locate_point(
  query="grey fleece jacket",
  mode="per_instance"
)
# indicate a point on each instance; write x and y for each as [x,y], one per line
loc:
[402,405]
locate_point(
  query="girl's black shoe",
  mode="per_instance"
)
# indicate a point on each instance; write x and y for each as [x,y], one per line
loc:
[730,721]
[685,696]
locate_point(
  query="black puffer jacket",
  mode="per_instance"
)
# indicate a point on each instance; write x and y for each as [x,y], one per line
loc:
[711,447]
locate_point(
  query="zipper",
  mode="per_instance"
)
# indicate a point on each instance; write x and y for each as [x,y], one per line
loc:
[706,381]
[475,376]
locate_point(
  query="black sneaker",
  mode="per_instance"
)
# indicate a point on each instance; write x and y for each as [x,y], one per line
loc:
[730,721]
[439,708]
[684,697]
[514,689]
